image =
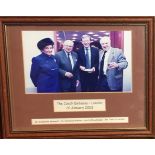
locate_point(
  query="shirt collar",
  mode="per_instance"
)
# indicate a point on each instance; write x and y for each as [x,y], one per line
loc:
[67,52]
[87,48]
[109,50]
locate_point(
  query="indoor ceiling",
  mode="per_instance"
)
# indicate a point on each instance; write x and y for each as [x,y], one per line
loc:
[76,35]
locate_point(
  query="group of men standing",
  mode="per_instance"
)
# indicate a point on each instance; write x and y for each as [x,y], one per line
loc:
[94,69]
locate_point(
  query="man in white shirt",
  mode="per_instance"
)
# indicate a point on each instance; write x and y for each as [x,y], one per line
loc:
[111,64]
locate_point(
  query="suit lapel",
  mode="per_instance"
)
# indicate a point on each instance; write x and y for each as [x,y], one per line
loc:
[66,61]
[111,55]
[92,55]
[74,59]
[83,55]
[65,57]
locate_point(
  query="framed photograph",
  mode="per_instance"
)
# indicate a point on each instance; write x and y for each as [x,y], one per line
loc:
[77,77]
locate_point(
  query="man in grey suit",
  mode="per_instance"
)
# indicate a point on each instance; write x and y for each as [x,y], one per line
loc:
[111,64]
[67,61]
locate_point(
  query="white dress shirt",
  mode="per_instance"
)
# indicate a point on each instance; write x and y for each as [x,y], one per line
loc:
[105,60]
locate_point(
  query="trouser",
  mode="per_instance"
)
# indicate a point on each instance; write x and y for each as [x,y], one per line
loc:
[88,83]
[68,85]
[103,84]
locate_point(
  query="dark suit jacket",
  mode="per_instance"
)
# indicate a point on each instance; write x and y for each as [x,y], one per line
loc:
[64,66]
[94,60]
[44,73]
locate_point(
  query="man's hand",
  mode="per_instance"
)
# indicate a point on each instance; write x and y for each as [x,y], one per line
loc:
[82,68]
[68,74]
[112,65]
[93,69]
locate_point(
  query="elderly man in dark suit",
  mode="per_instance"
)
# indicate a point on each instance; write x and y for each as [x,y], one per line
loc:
[112,63]
[88,58]
[68,67]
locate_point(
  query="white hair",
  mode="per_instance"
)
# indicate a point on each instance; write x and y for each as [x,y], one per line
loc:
[107,38]
[70,42]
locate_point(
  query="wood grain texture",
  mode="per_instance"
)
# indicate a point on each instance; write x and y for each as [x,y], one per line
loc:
[5,99]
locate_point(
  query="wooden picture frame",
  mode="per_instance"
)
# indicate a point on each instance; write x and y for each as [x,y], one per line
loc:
[126,115]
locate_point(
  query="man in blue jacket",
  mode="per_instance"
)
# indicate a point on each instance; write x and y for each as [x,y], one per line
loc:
[88,58]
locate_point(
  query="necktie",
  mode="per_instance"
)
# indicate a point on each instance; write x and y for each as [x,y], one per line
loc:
[69,60]
[102,64]
[88,63]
